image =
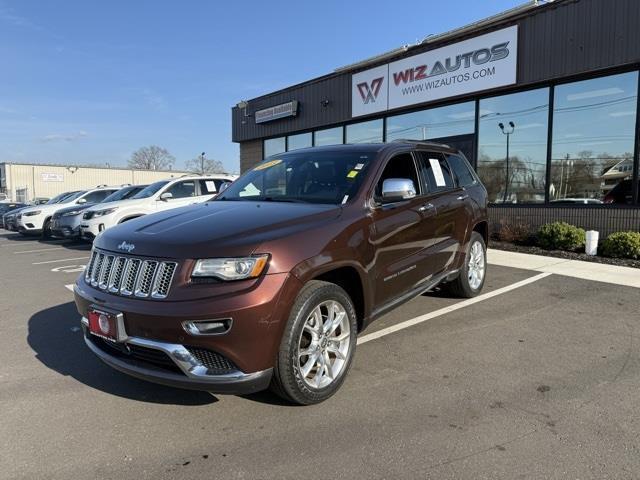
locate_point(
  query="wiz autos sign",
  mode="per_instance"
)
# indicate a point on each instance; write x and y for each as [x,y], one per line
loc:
[484,62]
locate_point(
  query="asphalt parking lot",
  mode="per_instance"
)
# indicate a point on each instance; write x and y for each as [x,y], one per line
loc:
[538,379]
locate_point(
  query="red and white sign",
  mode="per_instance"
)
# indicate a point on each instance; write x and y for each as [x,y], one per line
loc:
[481,63]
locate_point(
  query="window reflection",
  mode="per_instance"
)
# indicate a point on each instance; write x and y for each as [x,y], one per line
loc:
[329,136]
[273,146]
[365,132]
[302,140]
[512,145]
[593,140]
[433,123]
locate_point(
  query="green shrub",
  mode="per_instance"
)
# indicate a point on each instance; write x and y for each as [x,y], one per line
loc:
[561,236]
[622,245]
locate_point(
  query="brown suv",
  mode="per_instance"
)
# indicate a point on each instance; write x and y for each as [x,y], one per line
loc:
[269,283]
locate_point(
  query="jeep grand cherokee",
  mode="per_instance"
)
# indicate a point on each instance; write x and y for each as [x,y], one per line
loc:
[269,283]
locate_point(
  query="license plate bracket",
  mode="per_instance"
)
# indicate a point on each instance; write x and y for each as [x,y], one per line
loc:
[106,324]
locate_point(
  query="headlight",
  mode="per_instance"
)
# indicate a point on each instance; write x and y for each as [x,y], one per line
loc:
[31,214]
[106,211]
[72,213]
[231,268]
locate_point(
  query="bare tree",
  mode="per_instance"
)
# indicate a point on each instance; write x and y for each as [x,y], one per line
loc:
[201,164]
[151,158]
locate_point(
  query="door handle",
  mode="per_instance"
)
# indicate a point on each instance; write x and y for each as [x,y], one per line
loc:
[462,197]
[425,207]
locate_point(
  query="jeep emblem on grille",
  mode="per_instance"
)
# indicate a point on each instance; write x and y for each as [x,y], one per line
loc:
[128,247]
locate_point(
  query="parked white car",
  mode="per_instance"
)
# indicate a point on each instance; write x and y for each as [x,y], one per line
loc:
[159,196]
[36,220]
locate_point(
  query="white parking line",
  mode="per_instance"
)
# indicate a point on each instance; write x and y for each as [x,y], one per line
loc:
[445,310]
[58,261]
[37,251]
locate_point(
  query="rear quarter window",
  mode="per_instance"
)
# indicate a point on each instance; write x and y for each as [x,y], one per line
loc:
[461,170]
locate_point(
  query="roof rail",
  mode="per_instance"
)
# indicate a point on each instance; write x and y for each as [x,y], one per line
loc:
[421,142]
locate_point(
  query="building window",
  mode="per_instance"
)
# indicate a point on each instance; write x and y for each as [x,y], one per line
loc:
[512,146]
[273,146]
[294,142]
[435,123]
[329,136]
[365,132]
[593,140]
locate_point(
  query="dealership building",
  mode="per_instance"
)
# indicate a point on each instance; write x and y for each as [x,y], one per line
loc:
[542,99]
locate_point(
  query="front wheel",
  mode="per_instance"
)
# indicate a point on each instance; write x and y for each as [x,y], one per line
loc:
[46,229]
[472,274]
[317,346]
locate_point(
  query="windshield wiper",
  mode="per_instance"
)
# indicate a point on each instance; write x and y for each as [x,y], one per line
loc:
[281,199]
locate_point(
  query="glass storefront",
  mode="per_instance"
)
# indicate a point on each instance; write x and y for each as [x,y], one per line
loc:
[517,124]
[592,149]
[273,146]
[365,132]
[328,136]
[302,140]
[434,123]
[594,128]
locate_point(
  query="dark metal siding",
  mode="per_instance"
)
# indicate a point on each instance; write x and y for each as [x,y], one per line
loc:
[605,219]
[250,154]
[555,41]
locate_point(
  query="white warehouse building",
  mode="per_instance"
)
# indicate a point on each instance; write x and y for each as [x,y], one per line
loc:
[23,182]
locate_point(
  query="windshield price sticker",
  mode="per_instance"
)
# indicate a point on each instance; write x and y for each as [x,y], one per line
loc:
[437,172]
[352,174]
[266,165]
[359,166]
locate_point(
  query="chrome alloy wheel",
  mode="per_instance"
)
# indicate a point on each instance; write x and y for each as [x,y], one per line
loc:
[476,265]
[324,344]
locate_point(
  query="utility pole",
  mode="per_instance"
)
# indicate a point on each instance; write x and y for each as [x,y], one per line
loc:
[508,133]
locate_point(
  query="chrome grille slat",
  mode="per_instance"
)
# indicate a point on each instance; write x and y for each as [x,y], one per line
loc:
[96,270]
[130,276]
[145,279]
[105,272]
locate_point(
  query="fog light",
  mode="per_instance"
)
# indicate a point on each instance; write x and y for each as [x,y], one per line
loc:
[101,227]
[207,327]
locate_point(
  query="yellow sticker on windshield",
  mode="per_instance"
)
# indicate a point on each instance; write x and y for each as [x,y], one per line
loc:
[270,164]
[352,174]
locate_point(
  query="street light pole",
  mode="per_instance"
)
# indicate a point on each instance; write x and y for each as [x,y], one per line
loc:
[202,163]
[508,134]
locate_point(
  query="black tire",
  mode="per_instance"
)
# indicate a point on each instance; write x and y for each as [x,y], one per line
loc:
[46,229]
[461,286]
[287,380]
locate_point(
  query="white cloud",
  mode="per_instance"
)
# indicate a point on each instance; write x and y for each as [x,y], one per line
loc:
[57,137]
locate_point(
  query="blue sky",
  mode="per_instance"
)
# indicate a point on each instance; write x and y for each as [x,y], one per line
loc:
[89,82]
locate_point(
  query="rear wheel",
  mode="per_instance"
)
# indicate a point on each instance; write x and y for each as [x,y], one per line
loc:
[472,274]
[317,346]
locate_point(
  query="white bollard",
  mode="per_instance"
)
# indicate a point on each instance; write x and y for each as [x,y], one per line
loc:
[591,244]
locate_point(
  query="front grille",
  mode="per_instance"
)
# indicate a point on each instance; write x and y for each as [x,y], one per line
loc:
[129,275]
[215,362]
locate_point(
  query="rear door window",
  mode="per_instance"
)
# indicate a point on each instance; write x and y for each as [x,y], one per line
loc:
[461,170]
[435,172]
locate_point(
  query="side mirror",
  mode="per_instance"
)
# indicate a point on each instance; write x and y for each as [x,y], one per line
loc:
[166,196]
[81,201]
[397,189]
[224,186]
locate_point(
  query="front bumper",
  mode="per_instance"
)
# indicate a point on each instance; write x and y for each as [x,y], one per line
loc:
[89,229]
[61,229]
[189,372]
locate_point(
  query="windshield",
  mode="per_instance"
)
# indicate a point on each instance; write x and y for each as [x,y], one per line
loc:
[72,197]
[151,189]
[59,198]
[330,177]
[124,193]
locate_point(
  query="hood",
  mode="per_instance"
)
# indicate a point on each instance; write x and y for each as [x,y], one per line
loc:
[74,208]
[127,201]
[219,228]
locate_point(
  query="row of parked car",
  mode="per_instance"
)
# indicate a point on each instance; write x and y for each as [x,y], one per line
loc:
[83,214]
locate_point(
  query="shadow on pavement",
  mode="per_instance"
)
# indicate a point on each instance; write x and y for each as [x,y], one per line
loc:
[54,337]
[38,241]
